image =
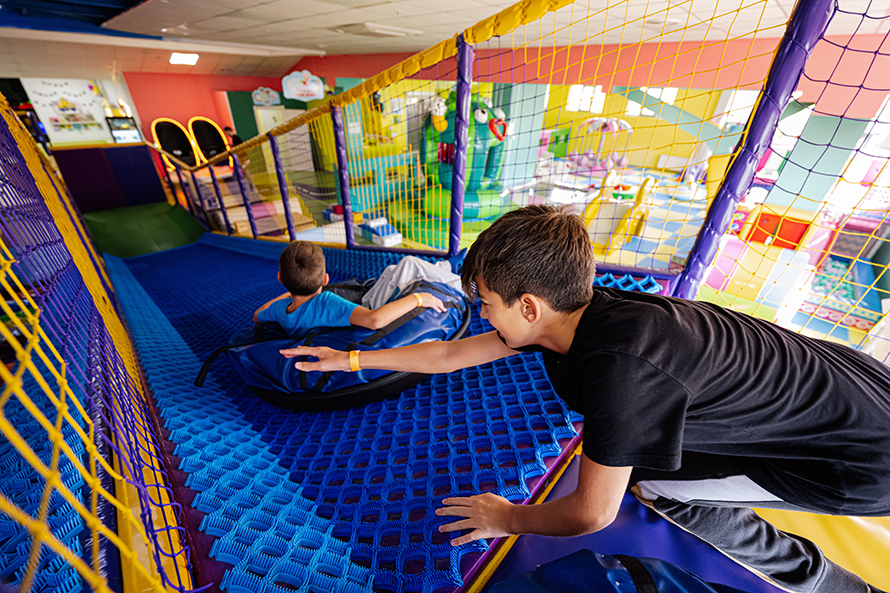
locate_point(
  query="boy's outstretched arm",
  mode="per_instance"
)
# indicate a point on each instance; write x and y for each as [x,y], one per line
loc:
[429,357]
[266,305]
[386,314]
[591,507]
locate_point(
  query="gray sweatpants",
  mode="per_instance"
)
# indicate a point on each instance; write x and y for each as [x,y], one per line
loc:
[718,511]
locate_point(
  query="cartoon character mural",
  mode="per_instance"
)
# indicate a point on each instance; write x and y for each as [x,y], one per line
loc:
[485,158]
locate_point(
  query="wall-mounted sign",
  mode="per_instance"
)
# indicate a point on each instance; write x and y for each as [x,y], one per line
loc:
[302,86]
[71,110]
[264,97]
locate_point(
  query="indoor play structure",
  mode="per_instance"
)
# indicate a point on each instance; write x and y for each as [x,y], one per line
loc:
[119,475]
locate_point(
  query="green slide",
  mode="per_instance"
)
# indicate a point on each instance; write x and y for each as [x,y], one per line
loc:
[136,230]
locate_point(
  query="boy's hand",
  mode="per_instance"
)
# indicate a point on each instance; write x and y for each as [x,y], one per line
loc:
[432,302]
[488,515]
[328,359]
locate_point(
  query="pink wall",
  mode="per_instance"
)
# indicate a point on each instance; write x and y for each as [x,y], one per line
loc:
[718,64]
[865,63]
[183,96]
[348,66]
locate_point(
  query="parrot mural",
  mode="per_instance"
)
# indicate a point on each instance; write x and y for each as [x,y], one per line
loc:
[485,158]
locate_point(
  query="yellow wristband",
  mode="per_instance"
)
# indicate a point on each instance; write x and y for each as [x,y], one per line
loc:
[353,361]
[419,300]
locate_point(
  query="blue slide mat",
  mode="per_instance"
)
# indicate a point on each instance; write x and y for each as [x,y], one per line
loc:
[329,502]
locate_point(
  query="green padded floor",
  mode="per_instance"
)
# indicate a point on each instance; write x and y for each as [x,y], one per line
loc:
[137,230]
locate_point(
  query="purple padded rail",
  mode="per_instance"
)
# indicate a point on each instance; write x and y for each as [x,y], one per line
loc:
[205,219]
[461,138]
[239,175]
[185,192]
[808,22]
[282,186]
[343,174]
[222,205]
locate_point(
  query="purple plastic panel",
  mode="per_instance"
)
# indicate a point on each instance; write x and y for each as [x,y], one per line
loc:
[90,179]
[282,186]
[808,22]
[343,174]
[222,205]
[239,176]
[461,137]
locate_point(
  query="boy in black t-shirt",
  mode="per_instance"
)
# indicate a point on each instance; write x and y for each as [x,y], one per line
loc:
[703,412]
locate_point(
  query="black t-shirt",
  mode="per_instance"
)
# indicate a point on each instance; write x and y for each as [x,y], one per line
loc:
[654,376]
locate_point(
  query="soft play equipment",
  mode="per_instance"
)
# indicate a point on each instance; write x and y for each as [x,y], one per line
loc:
[587,159]
[254,352]
[209,138]
[485,156]
[172,137]
[612,221]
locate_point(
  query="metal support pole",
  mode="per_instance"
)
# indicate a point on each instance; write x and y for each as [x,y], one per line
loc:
[461,139]
[808,22]
[222,205]
[343,174]
[239,175]
[282,186]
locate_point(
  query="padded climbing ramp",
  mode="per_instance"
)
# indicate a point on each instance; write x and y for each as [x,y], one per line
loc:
[339,501]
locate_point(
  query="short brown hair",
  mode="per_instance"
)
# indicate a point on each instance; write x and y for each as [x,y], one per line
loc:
[539,250]
[302,268]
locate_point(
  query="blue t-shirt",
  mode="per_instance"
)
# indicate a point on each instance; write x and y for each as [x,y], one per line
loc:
[325,310]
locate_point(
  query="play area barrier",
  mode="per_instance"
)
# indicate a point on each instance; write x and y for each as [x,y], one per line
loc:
[720,153]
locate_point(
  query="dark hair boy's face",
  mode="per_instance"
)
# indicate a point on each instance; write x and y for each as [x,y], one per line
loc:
[508,321]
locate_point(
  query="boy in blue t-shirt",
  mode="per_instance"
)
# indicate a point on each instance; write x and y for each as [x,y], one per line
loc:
[301,269]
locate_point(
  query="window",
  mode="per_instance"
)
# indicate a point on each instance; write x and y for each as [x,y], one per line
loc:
[665,95]
[741,104]
[586,98]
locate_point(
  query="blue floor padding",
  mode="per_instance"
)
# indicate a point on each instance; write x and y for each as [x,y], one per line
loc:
[339,501]
[342,501]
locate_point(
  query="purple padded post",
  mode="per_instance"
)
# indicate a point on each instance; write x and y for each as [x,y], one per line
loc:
[282,186]
[169,181]
[343,174]
[808,22]
[239,175]
[219,197]
[204,218]
[185,192]
[461,138]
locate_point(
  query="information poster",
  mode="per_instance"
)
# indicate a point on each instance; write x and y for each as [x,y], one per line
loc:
[72,111]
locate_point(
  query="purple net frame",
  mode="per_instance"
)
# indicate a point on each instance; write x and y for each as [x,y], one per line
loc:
[96,372]
[808,22]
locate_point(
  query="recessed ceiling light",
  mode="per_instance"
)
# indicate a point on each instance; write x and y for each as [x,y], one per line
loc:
[184,59]
[662,20]
[374,30]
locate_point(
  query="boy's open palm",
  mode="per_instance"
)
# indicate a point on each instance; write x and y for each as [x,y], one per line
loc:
[488,515]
